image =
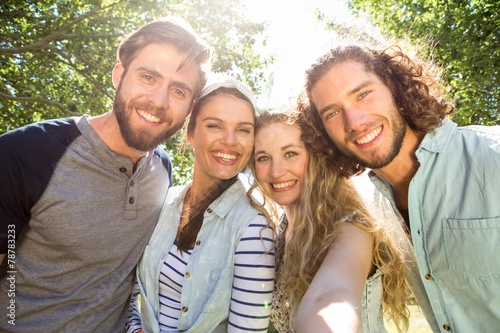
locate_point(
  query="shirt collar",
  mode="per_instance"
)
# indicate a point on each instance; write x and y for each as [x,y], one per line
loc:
[438,139]
[226,201]
[221,205]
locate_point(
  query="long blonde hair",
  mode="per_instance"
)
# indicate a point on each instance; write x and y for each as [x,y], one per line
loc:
[326,199]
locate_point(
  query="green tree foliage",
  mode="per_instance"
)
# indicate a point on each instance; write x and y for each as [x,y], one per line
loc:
[56,57]
[465,37]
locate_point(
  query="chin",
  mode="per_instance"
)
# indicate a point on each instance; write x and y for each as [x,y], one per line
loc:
[284,202]
[226,176]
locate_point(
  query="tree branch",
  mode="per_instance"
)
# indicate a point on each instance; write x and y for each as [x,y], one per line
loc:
[37,100]
[67,60]
[60,35]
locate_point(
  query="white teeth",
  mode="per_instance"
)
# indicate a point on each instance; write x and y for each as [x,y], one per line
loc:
[148,117]
[283,185]
[370,136]
[225,156]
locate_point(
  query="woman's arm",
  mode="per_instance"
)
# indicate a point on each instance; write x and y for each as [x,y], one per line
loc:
[332,302]
[253,279]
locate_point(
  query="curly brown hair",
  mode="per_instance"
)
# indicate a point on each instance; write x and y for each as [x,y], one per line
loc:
[414,84]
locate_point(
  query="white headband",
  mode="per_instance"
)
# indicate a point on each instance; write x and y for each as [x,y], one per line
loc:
[229,82]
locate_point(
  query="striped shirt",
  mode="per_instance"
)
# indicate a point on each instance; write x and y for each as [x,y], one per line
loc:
[252,284]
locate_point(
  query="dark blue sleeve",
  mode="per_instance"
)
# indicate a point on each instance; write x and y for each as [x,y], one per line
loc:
[167,162]
[28,158]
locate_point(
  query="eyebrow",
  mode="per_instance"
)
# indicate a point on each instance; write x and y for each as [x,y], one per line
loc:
[149,70]
[155,73]
[282,148]
[183,86]
[353,91]
[220,121]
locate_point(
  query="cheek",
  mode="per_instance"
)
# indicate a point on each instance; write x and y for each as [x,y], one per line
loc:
[333,131]
[181,109]
[260,173]
[302,169]
[200,142]
[248,145]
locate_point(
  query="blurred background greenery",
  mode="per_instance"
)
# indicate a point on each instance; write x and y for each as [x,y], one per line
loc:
[56,56]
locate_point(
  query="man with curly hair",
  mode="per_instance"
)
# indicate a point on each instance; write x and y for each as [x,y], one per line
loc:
[385,111]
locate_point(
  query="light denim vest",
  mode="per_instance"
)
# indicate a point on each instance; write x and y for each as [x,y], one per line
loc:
[371,304]
[207,284]
[454,208]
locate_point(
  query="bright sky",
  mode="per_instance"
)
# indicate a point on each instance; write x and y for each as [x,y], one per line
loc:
[296,39]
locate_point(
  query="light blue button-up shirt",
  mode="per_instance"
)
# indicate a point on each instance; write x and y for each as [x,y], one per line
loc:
[454,209]
[206,292]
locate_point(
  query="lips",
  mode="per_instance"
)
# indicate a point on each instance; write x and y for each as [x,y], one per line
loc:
[369,137]
[225,156]
[279,186]
[148,117]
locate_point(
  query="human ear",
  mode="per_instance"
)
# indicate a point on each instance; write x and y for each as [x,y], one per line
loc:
[117,74]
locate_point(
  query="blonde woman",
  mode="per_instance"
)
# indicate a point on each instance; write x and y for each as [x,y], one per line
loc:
[330,253]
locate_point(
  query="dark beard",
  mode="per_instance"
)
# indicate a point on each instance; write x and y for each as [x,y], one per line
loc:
[399,132]
[139,140]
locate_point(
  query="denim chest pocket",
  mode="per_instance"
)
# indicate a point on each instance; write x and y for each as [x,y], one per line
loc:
[218,274]
[472,247]
[219,289]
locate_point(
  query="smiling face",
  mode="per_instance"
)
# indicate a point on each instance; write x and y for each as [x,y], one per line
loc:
[280,162]
[359,114]
[153,96]
[223,138]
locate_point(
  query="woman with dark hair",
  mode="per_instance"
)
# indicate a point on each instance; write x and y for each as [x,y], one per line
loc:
[209,265]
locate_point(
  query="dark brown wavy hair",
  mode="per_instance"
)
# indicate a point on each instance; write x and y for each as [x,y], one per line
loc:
[414,84]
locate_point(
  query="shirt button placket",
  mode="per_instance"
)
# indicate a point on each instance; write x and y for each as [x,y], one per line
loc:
[131,195]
